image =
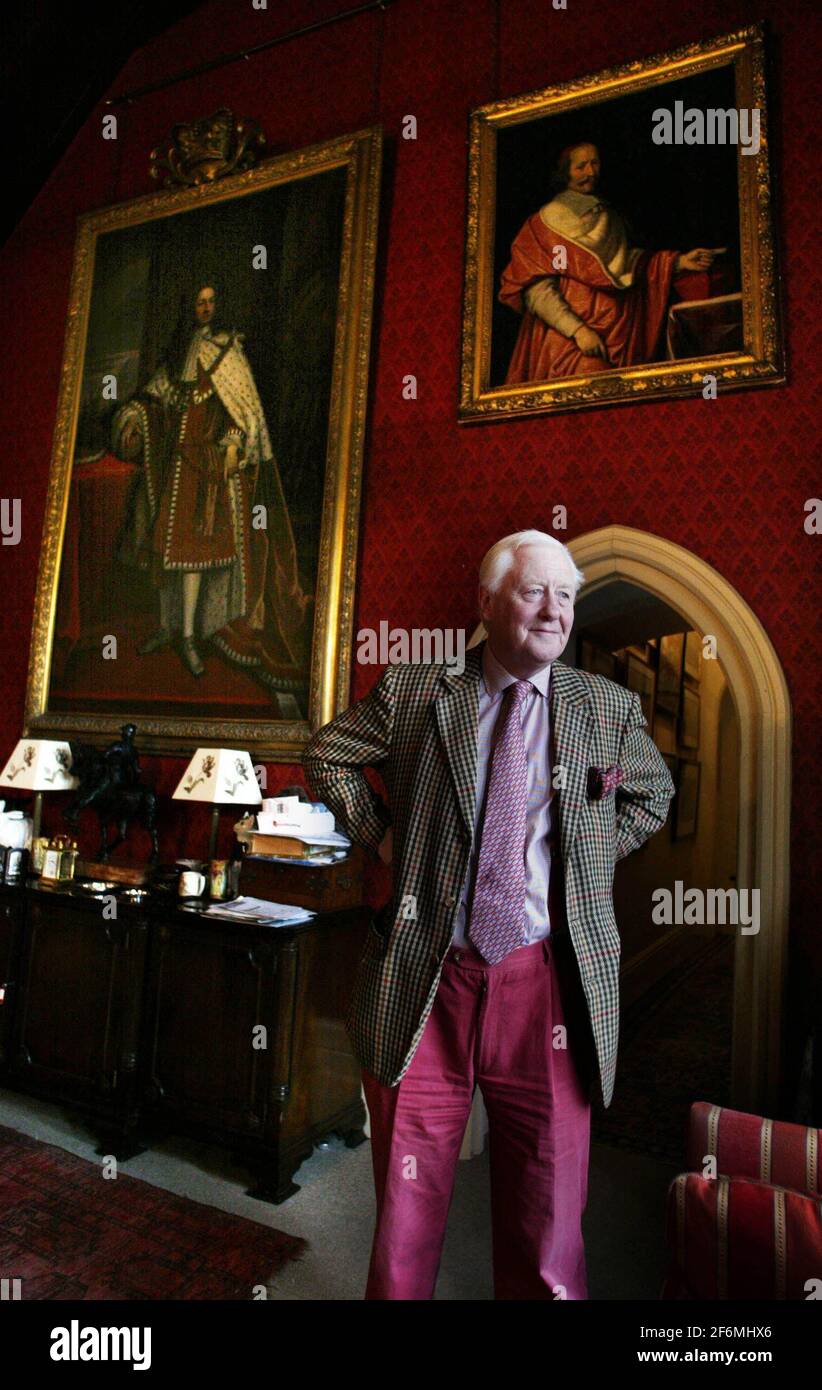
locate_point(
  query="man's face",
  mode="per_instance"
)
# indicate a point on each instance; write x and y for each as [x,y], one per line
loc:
[204,305]
[583,169]
[529,618]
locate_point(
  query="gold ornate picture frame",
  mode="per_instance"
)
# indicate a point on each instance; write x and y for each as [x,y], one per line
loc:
[226,486]
[713,327]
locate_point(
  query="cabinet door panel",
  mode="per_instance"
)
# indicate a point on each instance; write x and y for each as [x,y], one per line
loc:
[11,926]
[211,990]
[76,1012]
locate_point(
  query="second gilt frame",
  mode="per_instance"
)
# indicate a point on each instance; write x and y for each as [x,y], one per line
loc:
[559,115]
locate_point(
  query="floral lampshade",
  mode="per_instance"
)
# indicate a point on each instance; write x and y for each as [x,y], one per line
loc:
[39,765]
[220,776]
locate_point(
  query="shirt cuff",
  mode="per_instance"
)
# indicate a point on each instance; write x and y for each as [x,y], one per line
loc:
[545,300]
[235,436]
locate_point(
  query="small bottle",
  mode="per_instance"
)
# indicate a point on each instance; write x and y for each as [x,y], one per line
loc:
[68,860]
[16,867]
[38,850]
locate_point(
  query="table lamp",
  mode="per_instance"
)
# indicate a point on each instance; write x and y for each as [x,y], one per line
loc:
[39,765]
[223,777]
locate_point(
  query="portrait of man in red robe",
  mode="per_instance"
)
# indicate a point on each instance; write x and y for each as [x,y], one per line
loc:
[589,300]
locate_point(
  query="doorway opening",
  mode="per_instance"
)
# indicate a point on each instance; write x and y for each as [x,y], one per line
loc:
[755,703]
[677,968]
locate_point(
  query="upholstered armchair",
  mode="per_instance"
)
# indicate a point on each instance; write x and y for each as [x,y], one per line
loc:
[754,1230]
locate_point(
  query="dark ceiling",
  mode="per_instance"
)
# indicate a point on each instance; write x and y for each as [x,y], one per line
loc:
[57,58]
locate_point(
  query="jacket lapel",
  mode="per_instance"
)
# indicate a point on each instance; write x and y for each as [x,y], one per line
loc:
[572,726]
[572,730]
[457,713]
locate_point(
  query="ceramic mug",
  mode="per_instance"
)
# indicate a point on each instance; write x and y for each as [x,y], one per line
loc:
[192,884]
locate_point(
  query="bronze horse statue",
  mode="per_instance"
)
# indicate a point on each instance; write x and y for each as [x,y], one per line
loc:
[109,782]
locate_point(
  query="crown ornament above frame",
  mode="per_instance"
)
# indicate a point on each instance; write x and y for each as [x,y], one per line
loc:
[208,149]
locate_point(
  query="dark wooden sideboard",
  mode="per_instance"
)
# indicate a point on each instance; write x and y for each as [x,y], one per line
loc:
[167,1020]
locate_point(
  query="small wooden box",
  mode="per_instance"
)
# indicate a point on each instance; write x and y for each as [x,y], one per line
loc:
[135,875]
[324,887]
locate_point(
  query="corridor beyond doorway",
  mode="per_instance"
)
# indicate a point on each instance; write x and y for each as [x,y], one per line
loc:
[676,980]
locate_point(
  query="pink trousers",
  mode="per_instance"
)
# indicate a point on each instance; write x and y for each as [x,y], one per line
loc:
[518,1030]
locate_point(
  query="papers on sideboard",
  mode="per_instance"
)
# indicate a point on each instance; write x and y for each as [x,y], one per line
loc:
[260,912]
[317,861]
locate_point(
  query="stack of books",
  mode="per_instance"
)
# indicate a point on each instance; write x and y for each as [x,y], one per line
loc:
[291,831]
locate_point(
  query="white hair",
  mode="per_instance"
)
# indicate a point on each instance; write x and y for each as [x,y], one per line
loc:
[500,558]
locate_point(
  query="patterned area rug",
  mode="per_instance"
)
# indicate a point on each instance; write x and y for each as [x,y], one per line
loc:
[674,1048]
[69,1233]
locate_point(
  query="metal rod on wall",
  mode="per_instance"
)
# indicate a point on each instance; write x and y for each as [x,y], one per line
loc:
[135,93]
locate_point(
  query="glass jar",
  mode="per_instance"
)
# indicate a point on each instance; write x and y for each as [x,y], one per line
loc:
[68,860]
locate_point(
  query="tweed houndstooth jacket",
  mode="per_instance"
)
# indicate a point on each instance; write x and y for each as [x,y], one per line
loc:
[418,727]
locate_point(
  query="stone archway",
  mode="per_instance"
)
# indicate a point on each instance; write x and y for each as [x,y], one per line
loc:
[759,691]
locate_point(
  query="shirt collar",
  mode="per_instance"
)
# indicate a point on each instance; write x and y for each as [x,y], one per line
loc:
[580,203]
[496,677]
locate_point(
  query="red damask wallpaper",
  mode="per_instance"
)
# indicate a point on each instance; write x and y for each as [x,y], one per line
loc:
[726,479]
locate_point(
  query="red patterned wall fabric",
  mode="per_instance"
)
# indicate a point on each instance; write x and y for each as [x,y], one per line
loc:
[727,479]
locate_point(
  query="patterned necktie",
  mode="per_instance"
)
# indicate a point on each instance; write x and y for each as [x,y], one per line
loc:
[498,917]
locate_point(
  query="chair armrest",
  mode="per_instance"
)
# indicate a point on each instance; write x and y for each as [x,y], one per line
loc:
[772,1151]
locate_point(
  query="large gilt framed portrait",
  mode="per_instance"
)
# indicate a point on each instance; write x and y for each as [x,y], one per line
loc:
[620,240]
[199,547]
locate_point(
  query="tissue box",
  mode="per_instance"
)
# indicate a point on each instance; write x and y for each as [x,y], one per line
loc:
[287,815]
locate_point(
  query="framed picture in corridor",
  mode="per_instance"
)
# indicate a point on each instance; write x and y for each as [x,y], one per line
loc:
[693,655]
[199,547]
[642,679]
[689,718]
[669,674]
[620,241]
[686,802]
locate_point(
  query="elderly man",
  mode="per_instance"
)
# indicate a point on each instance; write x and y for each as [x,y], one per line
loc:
[589,300]
[514,787]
